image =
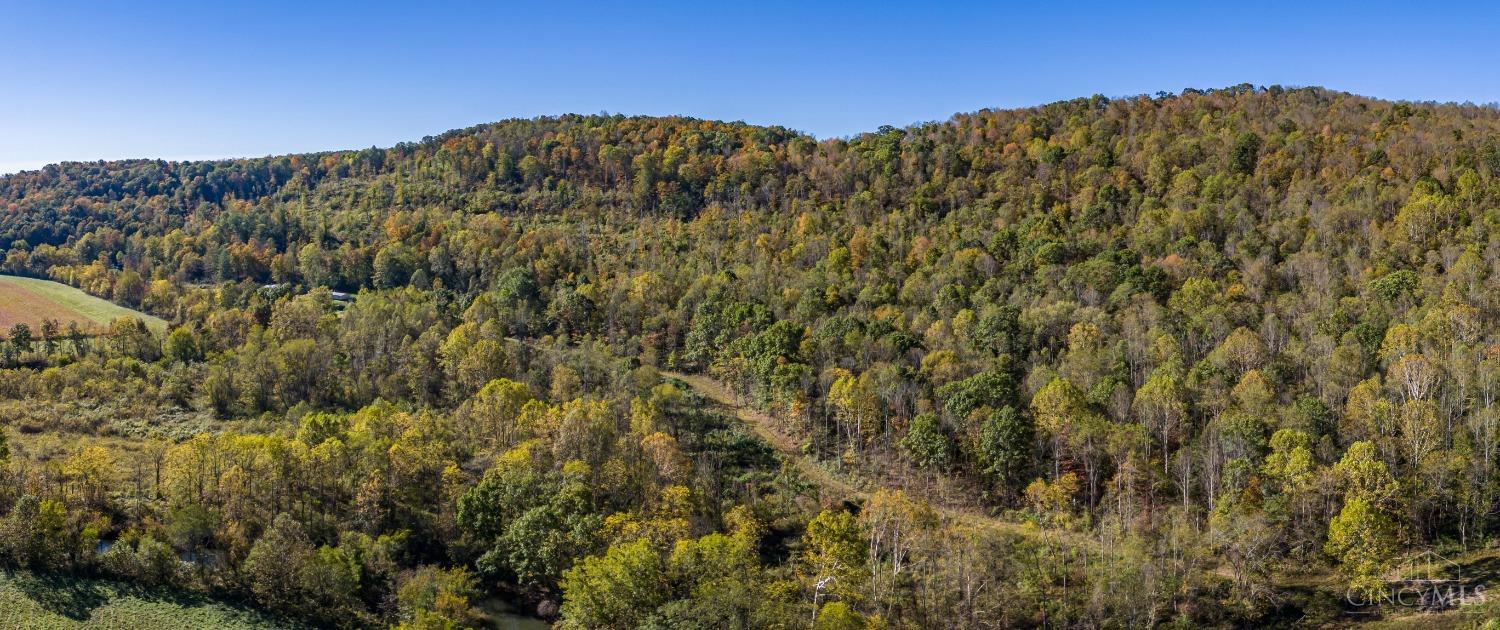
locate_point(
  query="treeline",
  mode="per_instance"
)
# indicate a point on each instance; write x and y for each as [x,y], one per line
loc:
[1226,333]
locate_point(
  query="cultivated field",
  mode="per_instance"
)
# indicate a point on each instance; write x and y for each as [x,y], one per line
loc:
[31,300]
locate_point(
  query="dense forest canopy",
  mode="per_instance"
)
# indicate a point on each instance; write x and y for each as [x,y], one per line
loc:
[1100,362]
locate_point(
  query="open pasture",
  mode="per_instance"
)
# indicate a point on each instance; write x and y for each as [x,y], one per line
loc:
[31,300]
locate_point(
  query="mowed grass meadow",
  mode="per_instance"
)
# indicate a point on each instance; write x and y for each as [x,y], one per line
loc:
[29,600]
[31,300]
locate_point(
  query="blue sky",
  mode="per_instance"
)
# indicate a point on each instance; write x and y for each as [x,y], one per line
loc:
[183,80]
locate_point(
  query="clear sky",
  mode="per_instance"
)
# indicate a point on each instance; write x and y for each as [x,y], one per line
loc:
[183,80]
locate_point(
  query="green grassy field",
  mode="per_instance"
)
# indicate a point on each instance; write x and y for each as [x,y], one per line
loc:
[31,300]
[34,601]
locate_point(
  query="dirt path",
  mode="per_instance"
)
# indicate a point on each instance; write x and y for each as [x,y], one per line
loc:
[838,489]
[765,427]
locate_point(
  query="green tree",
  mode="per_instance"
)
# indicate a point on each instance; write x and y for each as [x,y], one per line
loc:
[1005,443]
[1160,404]
[722,585]
[838,616]
[130,288]
[129,336]
[1059,408]
[1245,153]
[1363,540]
[927,443]
[994,389]
[434,597]
[620,589]
[834,555]
[182,346]
[20,337]
[1364,535]
[274,567]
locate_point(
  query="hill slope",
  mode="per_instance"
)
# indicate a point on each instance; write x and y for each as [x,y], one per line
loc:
[32,301]
[1238,340]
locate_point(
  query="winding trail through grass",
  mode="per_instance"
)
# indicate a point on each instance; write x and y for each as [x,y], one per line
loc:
[766,428]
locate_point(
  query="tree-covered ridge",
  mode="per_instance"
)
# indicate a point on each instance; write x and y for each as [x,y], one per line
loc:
[1226,333]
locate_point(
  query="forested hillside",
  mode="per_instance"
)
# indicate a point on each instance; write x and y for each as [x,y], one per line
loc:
[1103,362]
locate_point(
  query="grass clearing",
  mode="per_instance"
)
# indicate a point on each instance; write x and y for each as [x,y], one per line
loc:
[29,600]
[31,300]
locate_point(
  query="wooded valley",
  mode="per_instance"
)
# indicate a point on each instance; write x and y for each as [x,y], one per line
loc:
[1216,358]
